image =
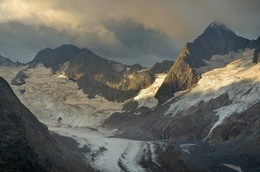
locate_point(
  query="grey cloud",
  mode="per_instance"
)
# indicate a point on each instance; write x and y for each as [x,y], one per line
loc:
[141,45]
[20,42]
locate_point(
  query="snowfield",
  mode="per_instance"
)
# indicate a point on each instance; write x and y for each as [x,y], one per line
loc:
[56,100]
[240,79]
[146,96]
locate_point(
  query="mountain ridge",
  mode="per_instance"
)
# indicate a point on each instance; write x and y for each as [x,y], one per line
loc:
[95,75]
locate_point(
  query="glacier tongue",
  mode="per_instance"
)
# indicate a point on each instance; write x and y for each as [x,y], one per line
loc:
[240,79]
[111,154]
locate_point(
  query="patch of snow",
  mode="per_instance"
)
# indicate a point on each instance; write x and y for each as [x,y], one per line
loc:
[240,79]
[234,167]
[146,96]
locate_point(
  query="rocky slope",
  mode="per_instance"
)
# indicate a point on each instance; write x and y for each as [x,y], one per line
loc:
[26,144]
[217,39]
[95,75]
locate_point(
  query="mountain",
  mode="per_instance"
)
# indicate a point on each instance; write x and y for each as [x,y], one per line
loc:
[207,118]
[7,62]
[161,67]
[217,39]
[26,144]
[95,75]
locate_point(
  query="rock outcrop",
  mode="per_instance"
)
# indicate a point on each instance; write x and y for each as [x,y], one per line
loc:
[19,79]
[181,76]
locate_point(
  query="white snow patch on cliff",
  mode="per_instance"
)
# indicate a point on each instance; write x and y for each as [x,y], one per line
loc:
[234,167]
[146,96]
[240,79]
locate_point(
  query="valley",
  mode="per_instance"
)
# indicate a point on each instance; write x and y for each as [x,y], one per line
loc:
[199,113]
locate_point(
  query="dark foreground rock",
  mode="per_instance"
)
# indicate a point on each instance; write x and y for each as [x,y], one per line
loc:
[26,144]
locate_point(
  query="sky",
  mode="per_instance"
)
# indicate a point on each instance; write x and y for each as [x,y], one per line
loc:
[128,31]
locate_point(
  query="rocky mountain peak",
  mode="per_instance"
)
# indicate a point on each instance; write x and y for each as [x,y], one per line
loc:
[67,50]
[217,25]
[217,39]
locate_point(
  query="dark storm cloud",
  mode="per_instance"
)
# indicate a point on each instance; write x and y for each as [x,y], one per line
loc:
[20,42]
[130,31]
[141,45]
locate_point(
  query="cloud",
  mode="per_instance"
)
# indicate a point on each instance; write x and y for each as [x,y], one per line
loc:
[104,25]
[20,42]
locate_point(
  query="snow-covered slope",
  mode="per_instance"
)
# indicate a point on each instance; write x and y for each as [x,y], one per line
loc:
[146,96]
[56,100]
[240,79]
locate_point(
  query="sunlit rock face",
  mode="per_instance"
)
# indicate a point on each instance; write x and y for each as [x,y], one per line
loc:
[95,75]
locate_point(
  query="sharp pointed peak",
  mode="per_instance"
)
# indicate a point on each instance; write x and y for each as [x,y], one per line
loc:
[218,25]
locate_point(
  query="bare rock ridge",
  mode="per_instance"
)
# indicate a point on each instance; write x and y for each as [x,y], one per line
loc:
[217,39]
[162,67]
[7,62]
[95,75]
[25,143]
